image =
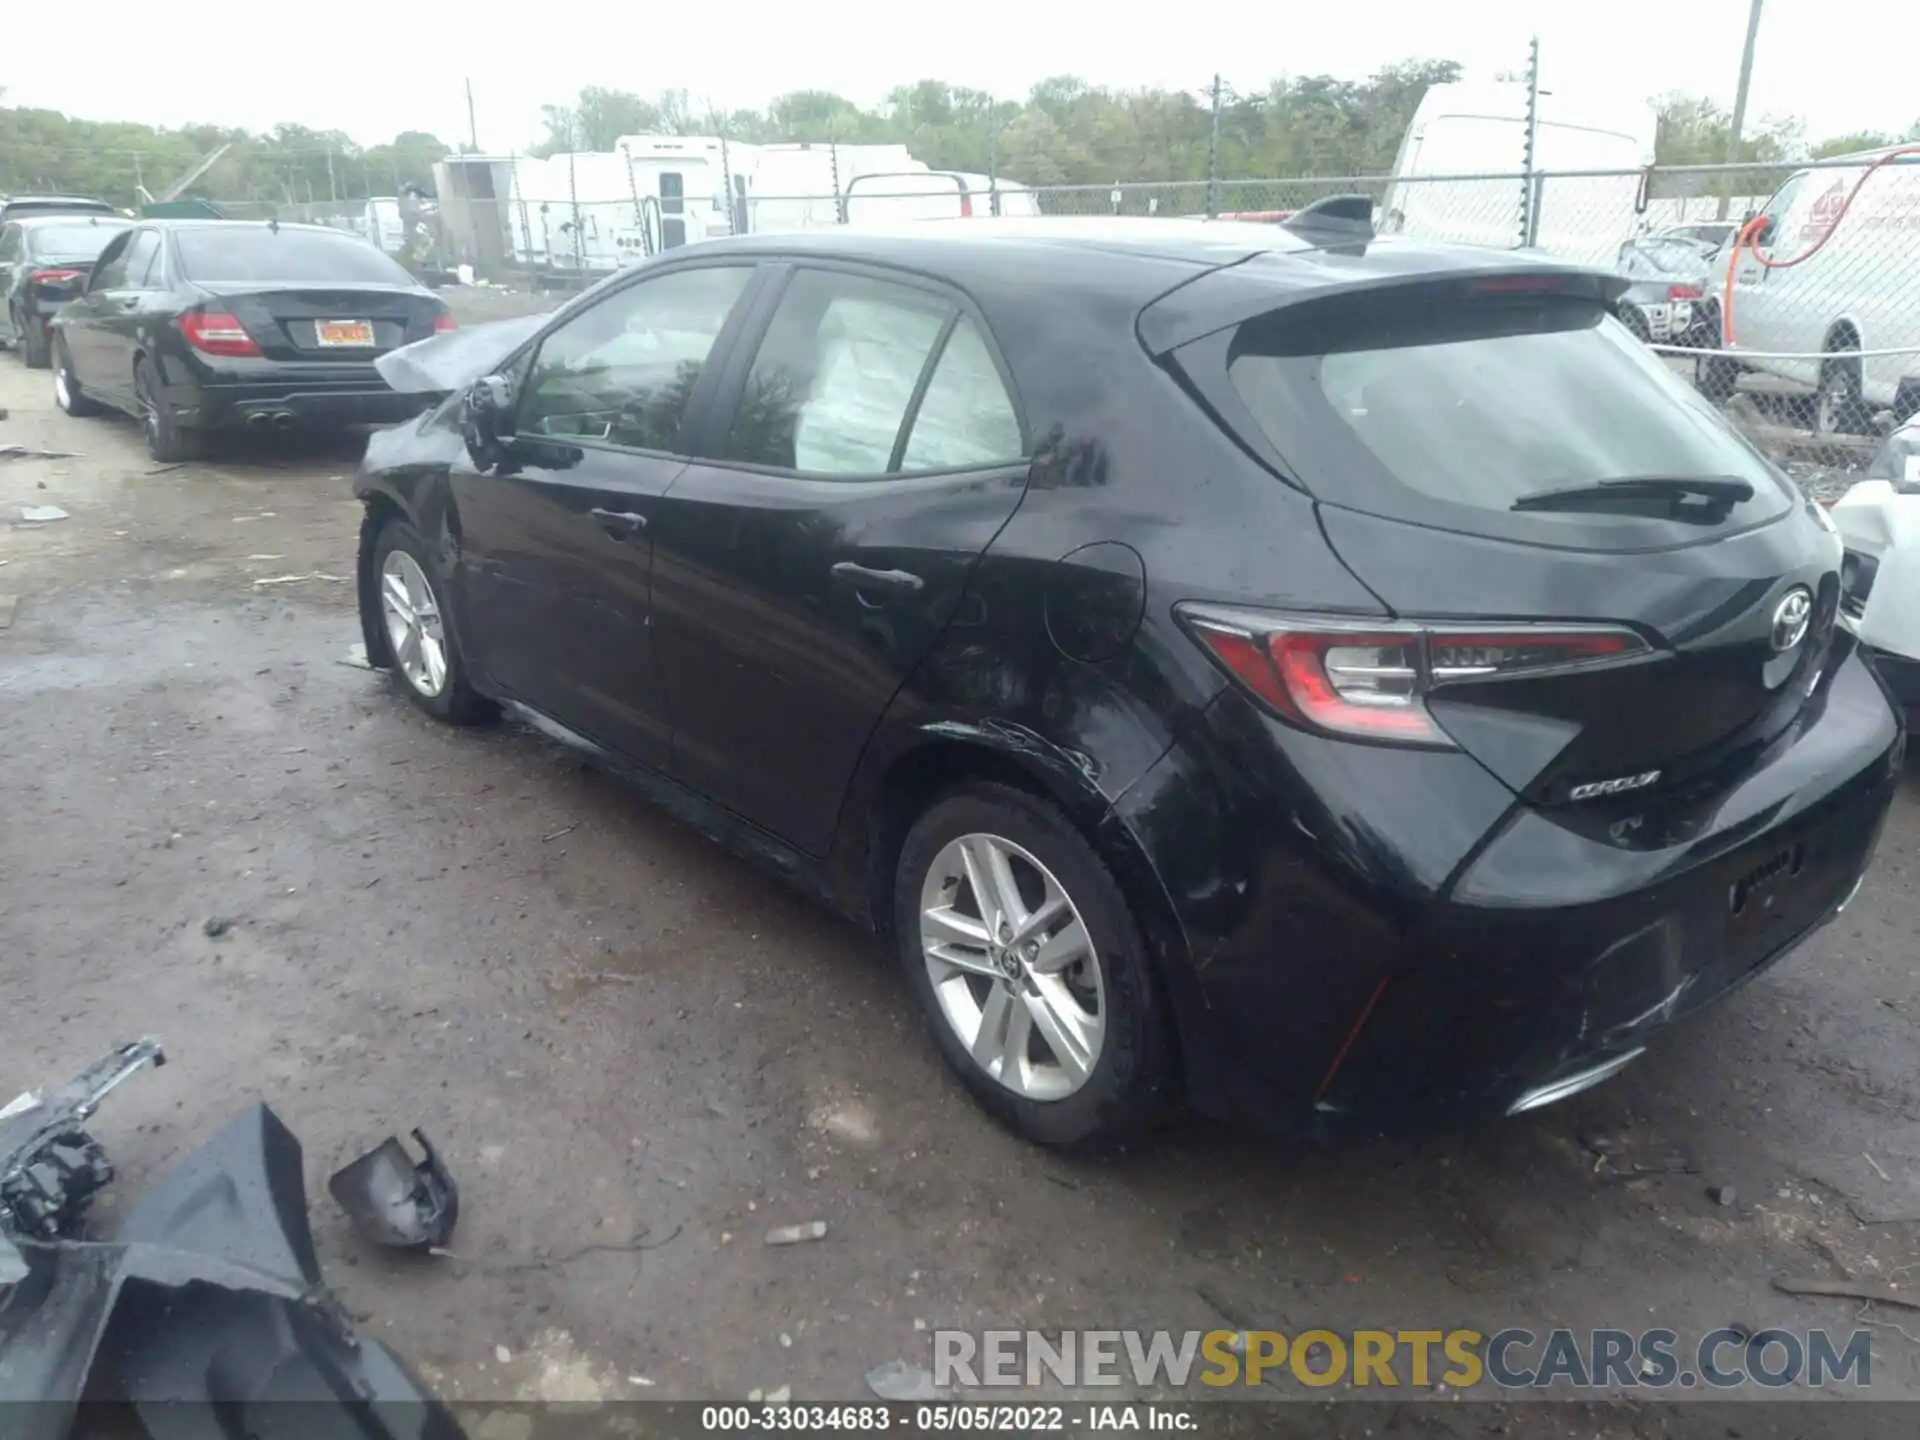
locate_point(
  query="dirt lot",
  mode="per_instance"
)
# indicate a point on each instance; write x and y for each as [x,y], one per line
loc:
[623,1038]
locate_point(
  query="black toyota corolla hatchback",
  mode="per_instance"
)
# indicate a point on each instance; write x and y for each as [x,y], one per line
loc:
[1332,680]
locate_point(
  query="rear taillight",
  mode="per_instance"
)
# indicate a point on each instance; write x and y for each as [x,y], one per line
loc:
[966,206]
[54,277]
[213,333]
[1371,680]
[1684,292]
[444,323]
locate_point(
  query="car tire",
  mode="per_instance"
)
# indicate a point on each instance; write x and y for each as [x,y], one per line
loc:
[31,340]
[1839,406]
[1007,996]
[420,648]
[1716,377]
[168,441]
[67,393]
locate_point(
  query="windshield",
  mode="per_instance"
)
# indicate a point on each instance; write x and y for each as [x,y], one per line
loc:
[1450,413]
[256,253]
[70,242]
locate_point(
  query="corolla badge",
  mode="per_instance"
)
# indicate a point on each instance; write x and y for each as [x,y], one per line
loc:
[1790,619]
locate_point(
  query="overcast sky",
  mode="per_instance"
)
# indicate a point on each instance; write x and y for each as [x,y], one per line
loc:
[375,67]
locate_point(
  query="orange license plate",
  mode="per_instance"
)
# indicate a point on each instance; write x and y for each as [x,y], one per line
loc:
[351,334]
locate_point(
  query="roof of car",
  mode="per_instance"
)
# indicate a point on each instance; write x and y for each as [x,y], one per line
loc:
[200,222]
[71,217]
[1143,260]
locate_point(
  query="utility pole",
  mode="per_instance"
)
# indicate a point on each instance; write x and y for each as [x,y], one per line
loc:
[1740,96]
[473,126]
[1213,155]
[333,188]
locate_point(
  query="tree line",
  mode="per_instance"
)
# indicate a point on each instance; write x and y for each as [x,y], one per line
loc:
[1067,131]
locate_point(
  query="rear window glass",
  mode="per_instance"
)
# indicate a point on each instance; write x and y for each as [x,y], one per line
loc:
[70,242]
[256,253]
[1454,414]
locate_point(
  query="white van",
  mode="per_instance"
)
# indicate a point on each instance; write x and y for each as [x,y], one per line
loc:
[1480,129]
[800,185]
[1858,290]
[577,212]
[934,195]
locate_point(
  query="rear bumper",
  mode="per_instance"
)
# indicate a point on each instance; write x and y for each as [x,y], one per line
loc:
[225,407]
[1395,947]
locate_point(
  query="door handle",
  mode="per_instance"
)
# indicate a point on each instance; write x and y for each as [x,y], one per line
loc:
[620,524]
[860,577]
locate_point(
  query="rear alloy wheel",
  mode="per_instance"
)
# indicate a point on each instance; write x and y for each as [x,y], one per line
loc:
[67,393]
[167,440]
[31,337]
[420,649]
[1030,968]
[1840,408]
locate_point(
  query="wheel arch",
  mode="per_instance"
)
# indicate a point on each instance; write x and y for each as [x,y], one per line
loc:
[381,509]
[935,760]
[1838,333]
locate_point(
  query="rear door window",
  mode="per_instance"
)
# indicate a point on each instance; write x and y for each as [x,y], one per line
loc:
[143,258]
[832,382]
[1471,416]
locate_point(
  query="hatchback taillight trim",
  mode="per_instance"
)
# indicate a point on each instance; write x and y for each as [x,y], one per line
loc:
[1362,679]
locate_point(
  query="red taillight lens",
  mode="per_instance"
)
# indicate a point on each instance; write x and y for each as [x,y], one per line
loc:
[966,206]
[1684,292]
[213,333]
[1371,681]
[444,323]
[55,277]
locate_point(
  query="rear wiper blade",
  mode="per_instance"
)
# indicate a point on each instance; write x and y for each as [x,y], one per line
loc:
[1723,490]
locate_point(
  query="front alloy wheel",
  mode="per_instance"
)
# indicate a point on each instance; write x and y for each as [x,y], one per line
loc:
[1012,966]
[400,605]
[414,630]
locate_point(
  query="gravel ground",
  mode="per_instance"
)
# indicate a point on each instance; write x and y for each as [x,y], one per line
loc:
[638,1053]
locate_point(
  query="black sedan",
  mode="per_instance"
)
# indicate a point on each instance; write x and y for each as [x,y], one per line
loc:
[44,262]
[207,325]
[1336,680]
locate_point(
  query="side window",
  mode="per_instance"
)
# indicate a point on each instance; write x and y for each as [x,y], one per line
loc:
[624,370]
[1777,208]
[966,417]
[143,261]
[831,384]
[111,271]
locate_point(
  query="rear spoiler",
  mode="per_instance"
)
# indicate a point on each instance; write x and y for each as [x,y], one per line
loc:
[1342,263]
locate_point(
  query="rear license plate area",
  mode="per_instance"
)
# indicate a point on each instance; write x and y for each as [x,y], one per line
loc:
[1771,901]
[343,334]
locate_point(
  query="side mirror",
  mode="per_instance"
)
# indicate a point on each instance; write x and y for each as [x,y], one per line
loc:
[1765,234]
[486,416]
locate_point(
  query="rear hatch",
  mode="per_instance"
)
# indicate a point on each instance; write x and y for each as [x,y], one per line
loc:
[307,295]
[1602,587]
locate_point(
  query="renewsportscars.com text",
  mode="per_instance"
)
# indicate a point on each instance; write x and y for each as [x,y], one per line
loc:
[1511,1359]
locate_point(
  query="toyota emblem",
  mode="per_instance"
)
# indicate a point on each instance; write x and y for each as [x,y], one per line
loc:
[1790,619]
